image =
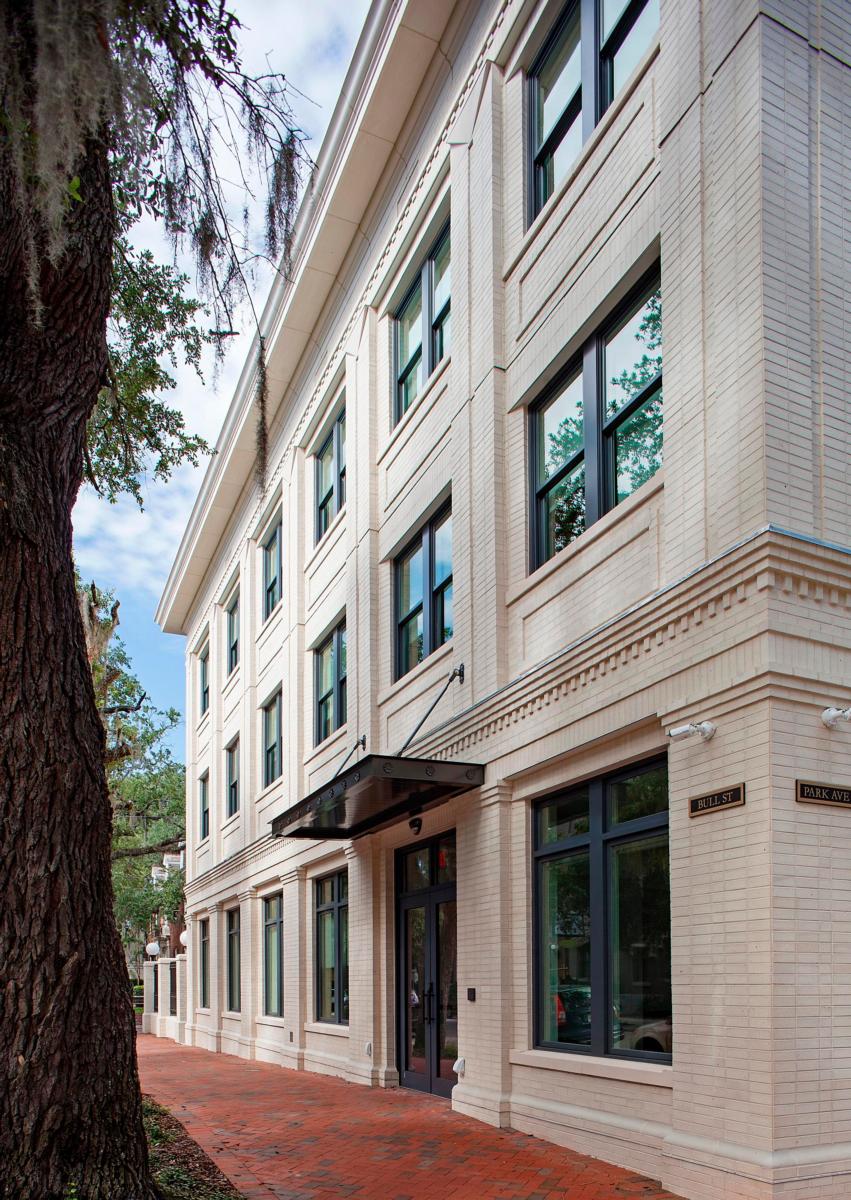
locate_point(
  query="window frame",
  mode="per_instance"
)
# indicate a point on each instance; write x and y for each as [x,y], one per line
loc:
[204,679]
[204,803]
[425,537]
[596,83]
[272,584]
[234,973]
[277,746]
[430,322]
[339,686]
[335,905]
[204,962]
[233,623]
[598,431]
[597,842]
[232,765]
[278,924]
[337,492]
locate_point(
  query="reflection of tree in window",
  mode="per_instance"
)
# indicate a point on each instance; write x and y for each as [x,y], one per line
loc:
[638,439]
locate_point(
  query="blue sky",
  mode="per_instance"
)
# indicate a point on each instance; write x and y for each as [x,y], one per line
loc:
[128,551]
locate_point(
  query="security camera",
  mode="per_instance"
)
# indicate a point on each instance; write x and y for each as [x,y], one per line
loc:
[415,825]
[679,732]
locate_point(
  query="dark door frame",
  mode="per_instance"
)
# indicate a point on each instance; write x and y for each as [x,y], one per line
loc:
[427,898]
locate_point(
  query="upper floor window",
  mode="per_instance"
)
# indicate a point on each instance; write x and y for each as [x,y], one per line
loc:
[234,971]
[424,593]
[570,90]
[204,802]
[596,435]
[603,916]
[232,768]
[272,764]
[331,684]
[331,476]
[272,570]
[204,679]
[423,325]
[233,632]
[332,948]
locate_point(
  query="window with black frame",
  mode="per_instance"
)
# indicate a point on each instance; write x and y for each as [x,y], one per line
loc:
[596,434]
[592,50]
[273,958]
[423,324]
[233,961]
[272,749]
[603,916]
[331,476]
[232,772]
[204,679]
[204,963]
[330,683]
[204,799]
[332,948]
[233,632]
[424,617]
[272,570]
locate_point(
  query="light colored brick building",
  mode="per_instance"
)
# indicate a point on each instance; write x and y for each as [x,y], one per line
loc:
[466,466]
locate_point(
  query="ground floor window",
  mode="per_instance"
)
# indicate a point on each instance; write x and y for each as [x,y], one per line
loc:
[332,948]
[233,960]
[273,939]
[602,916]
[204,939]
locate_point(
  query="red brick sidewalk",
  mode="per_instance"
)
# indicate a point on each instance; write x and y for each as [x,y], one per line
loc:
[294,1135]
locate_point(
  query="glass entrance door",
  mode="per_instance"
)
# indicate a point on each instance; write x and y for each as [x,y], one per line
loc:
[428,991]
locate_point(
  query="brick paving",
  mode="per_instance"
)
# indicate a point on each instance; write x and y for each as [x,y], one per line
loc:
[294,1135]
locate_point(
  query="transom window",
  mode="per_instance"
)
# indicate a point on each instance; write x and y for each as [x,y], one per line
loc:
[331,476]
[331,699]
[423,325]
[571,89]
[596,435]
[272,760]
[272,570]
[204,799]
[273,958]
[232,766]
[332,948]
[233,632]
[204,679]
[424,618]
[603,918]
[234,998]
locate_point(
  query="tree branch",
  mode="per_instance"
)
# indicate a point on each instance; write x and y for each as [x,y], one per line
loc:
[171,843]
[112,709]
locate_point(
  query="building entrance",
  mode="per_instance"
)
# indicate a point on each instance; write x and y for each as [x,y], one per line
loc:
[428,988]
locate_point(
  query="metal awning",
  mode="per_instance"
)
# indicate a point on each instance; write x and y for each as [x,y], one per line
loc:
[376,792]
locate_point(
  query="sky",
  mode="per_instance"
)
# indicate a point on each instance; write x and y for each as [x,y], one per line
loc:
[130,552]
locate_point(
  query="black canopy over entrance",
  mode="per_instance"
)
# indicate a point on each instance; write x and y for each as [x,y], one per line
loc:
[374,793]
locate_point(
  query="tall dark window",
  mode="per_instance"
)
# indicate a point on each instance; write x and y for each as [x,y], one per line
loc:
[603,917]
[593,49]
[233,960]
[272,761]
[596,435]
[273,958]
[204,799]
[272,570]
[232,766]
[331,476]
[233,632]
[330,683]
[424,617]
[423,324]
[204,963]
[204,679]
[332,948]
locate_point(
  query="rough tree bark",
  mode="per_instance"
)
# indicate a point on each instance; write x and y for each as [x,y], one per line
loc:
[70,1109]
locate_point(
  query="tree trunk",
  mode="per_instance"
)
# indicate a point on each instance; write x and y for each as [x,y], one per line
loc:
[70,1109]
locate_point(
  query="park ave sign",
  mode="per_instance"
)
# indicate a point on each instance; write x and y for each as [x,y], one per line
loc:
[822,793]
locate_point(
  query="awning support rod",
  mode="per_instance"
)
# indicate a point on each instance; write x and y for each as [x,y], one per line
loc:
[360,742]
[458,673]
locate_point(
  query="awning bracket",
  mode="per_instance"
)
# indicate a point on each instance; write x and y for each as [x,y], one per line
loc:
[458,674]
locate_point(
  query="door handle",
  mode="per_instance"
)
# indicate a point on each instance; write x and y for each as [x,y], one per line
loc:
[429,1004]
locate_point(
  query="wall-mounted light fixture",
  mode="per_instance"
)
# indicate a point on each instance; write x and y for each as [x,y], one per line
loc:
[705,729]
[832,716]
